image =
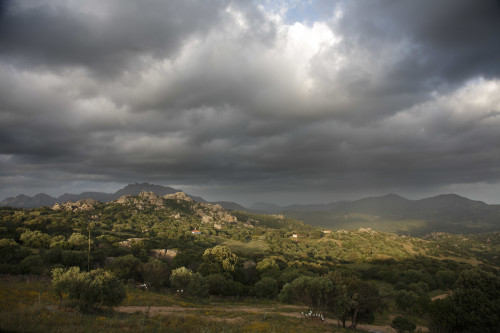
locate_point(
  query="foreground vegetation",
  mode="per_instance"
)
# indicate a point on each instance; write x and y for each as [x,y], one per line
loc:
[192,255]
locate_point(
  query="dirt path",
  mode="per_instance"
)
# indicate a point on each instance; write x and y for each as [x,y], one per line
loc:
[441,296]
[286,310]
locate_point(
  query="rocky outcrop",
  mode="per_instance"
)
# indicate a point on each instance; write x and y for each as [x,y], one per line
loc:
[151,198]
[80,205]
[179,196]
[144,198]
[128,242]
[123,200]
[207,213]
[166,254]
[206,218]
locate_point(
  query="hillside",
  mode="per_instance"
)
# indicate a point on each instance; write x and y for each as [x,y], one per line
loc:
[156,220]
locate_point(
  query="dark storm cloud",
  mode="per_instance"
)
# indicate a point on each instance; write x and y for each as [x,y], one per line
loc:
[104,36]
[233,97]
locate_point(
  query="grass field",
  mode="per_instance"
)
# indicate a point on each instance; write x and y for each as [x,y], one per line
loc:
[257,245]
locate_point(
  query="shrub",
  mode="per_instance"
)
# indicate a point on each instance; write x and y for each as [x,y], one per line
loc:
[198,286]
[267,287]
[92,290]
[403,324]
[181,277]
[33,265]
[217,284]
[154,273]
[36,239]
[125,267]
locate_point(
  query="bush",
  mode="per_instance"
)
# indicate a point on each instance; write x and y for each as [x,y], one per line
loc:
[197,286]
[8,249]
[36,239]
[181,277]
[406,300]
[266,287]
[92,290]
[217,284]
[403,324]
[33,265]
[125,267]
[154,273]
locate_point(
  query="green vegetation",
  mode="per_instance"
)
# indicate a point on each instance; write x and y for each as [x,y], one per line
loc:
[403,324]
[349,277]
[93,290]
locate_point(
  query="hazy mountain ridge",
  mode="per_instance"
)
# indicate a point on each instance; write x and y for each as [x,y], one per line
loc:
[393,213]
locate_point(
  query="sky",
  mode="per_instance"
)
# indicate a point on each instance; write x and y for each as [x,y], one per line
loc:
[276,101]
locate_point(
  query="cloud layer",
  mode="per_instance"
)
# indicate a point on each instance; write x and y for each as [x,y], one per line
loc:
[247,100]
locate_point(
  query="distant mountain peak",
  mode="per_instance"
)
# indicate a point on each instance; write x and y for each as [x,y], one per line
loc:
[393,196]
[42,199]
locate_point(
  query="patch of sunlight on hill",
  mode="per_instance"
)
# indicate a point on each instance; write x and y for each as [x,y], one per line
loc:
[392,226]
[245,248]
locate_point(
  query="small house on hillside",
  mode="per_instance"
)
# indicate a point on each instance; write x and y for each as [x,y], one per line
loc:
[196,232]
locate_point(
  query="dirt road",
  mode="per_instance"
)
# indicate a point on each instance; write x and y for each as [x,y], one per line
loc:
[286,310]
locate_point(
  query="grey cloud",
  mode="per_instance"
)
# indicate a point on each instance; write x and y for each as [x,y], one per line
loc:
[104,38]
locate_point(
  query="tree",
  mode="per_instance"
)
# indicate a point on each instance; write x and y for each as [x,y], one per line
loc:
[36,239]
[181,277]
[402,324]
[66,281]
[218,259]
[367,301]
[77,241]
[267,287]
[476,298]
[343,304]
[442,315]
[125,267]
[8,249]
[198,286]
[154,273]
[406,300]
[314,291]
[217,284]
[353,299]
[33,265]
[93,290]
[445,279]
[473,306]
[271,267]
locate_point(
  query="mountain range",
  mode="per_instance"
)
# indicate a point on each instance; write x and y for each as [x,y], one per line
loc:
[392,213]
[42,199]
